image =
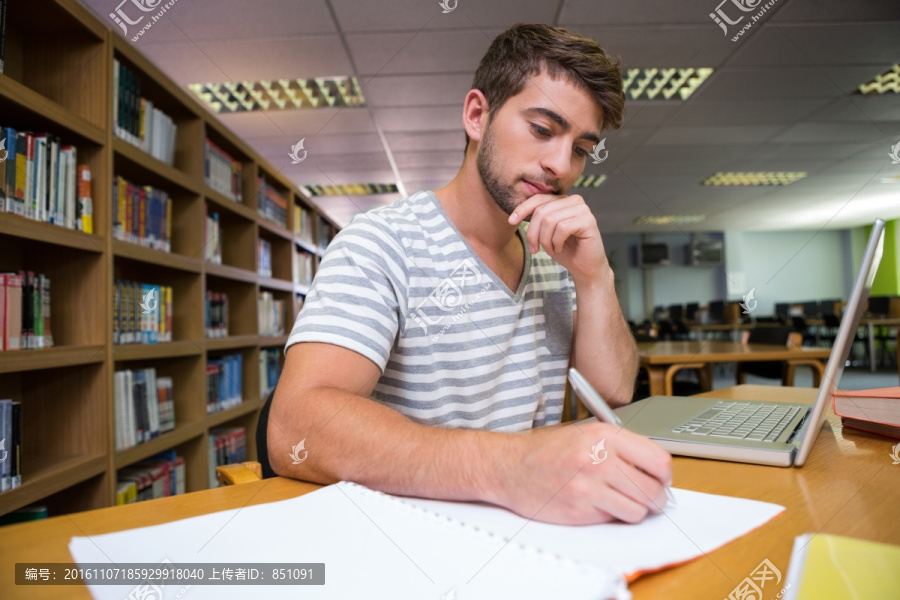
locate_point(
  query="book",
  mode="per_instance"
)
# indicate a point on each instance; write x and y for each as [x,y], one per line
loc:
[12,319]
[10,137]
[216,314]
[141,313]
[228,445]
[269,370]
[166,402]
[212,248]
[84,208]
[270,202]
[5,441]
[22,145]
[881,405]
[137,120]
[224,382]
[264,258]
[15,446]
[826,567]
[222,172]
[144,406]
[10,445]
[2,31]
[155,477]
[38,177]
[871,427]
[270,313]
[302,268]
[139,214]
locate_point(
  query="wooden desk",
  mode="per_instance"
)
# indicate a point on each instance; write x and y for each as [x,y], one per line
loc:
[657,357]
[848,487]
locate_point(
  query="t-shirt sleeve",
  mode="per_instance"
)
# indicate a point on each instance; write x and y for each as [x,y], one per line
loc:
[355,297]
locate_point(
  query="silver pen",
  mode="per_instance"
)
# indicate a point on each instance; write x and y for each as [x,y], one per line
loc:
[598,407]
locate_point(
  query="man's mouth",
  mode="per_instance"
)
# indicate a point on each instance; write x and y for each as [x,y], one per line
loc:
[538,188]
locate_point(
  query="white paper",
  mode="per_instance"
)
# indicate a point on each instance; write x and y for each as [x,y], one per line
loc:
[373,547]
[698,524]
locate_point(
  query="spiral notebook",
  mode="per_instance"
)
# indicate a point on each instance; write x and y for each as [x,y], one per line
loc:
[378,546]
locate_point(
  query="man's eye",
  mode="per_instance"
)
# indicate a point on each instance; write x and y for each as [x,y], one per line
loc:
[540,130]
[581,151]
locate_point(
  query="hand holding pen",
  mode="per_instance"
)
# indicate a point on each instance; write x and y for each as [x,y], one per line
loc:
[599,408]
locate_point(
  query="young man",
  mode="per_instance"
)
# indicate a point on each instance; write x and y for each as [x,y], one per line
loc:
[434,344]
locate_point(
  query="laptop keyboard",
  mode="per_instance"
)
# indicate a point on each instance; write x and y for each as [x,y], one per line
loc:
[741,421]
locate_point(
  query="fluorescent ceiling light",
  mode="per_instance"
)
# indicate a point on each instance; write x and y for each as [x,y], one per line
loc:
[889,81]
[350,189]
[754,178]
[669,220]
[589,181]
[280,94]
[663,84]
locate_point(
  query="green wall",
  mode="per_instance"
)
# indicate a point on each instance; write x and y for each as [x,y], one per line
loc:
[887,280]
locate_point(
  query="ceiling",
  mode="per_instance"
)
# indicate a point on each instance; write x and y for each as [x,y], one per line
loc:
[779,100]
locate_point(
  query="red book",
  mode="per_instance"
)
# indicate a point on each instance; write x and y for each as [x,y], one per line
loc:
[142,214]
[12,332]
[881,405]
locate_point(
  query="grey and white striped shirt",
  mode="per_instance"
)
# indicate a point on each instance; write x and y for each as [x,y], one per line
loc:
[456,346]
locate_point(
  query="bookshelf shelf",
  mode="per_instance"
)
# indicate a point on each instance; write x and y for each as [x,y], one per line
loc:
[20,101]
[157,173]
[303,245]
[230,205]
[171,260]
[181,434]
[277,284]
[246,407]
[18,226]
[158,350]
[48,475]
[274,228]
[272,340]
[60,78]
[229,272]
[51,358]
[232,342]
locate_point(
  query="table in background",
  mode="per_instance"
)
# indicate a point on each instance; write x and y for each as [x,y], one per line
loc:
[657,357]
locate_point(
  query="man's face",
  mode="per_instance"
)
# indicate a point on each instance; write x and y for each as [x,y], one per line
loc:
[539,139]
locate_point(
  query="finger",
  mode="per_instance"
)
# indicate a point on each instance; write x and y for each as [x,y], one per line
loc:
[646,456]
[559,226]
[524,210]
[541,217]
[640,487]
[620,506]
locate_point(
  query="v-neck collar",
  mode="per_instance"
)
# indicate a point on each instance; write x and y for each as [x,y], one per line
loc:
[526,271]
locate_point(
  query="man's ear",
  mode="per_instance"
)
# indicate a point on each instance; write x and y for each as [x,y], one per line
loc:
[475,114]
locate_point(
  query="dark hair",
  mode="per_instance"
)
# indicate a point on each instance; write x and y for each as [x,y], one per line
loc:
[526,49]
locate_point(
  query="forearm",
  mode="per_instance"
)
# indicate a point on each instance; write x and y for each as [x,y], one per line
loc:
[351,437]
[605,351]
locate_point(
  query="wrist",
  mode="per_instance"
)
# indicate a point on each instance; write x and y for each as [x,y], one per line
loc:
[601,280]
[499,477]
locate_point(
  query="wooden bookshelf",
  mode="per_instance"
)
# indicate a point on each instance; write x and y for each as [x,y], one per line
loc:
[59,78]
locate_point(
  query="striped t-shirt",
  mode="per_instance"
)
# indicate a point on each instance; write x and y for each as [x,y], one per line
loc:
[456,347]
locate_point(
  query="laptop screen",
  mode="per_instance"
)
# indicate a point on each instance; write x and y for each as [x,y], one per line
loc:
[844,340]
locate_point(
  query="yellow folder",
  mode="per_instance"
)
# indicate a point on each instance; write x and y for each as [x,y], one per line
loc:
[826,567]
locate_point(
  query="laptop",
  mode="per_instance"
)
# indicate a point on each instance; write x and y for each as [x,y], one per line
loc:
[759,432]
